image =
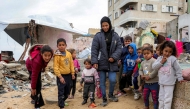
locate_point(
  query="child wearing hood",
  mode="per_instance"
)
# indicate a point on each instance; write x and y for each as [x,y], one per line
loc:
[129,64]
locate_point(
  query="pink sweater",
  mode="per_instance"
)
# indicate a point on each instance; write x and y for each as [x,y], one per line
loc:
[76,64]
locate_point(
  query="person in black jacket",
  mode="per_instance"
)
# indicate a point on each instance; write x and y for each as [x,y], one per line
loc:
[105,52]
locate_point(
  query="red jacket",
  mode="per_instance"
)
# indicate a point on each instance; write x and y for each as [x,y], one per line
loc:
[35,64]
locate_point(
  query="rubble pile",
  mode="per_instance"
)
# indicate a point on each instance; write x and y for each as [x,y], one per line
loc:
[14,76]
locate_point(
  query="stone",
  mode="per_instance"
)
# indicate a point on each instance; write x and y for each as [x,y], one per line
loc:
[12,65]
[23,73]
[51,100]
[1,75]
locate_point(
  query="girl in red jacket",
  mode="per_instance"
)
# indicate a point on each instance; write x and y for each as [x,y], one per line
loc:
[39,56]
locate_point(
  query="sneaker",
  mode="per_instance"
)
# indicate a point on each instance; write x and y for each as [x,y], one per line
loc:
[84,102]
[32,101]
[136,96]
[71,97]
[66,104]
[105,102]
[113,98]
[128,89]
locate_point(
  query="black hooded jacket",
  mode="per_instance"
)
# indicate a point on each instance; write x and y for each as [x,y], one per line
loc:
[103,49]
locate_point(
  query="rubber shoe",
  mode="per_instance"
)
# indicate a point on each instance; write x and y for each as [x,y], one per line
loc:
[84,102]
[112,98]
[105,102]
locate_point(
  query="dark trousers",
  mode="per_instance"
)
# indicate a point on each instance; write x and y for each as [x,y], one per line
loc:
[129,78]
[73,85]
[38,97]
[135,83]
[152,88]
[63,90]
[122,82]
[89,89]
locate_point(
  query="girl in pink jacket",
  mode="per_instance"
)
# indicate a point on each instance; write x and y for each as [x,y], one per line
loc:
[77,69]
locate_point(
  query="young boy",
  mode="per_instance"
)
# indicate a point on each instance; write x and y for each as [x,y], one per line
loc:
[63,68]
[127,41]
[150,77]
[129,65]
[136,74]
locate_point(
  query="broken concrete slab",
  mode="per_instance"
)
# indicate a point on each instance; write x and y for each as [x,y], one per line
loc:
[23,73]
[51,100]
[12,65]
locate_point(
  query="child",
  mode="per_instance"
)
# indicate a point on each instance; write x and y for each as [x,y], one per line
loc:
[63,68]
[89,77]
[127,41]
[135,75]
[139,60]
[77,69]
[150,76]
[158,50]
[128,66]
[169,70]
[39,56]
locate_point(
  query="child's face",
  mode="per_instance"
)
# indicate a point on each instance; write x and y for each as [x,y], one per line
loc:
[87,65]
[167,51]
[139,52]
[61,46]
[130,50]
[147,54]
[74,54]
[46,56]
[127,42]
[158,52]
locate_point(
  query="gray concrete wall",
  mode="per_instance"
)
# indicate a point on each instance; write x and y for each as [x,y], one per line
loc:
[172,28]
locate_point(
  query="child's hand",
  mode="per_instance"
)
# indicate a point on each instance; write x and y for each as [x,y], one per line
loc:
[138,60]
[81,85]
[33,92]
[73,76]
[140,89]
[95,66]
[98,83]
[164,59]
[142,77]
[62,80]
[182,81]
[147,78]
[133,74]
[123,75]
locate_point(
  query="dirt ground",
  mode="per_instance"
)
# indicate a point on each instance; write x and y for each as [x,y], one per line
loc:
[125,102]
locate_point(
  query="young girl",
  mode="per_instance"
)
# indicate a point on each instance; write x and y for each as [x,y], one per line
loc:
[77,69]
[89,77]
[39,56]
[169,70]
[63,68]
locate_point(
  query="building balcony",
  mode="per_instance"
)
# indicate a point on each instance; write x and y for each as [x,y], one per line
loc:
[124,2]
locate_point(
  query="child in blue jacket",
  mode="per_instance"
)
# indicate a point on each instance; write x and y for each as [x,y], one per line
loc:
[129,64]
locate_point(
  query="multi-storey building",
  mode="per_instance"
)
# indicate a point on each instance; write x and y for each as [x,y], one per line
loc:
[129,13]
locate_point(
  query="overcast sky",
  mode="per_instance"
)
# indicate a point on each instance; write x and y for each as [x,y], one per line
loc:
[83,14]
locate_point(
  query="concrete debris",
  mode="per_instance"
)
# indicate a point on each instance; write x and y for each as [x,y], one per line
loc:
[14,76]
[1,101]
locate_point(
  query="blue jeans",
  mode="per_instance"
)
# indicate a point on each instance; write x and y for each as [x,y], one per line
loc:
[112,82]
[135,83]
[152,88]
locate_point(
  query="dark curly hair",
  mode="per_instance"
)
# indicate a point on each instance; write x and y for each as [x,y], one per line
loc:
[87,60]
[169,44]
[148,49]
